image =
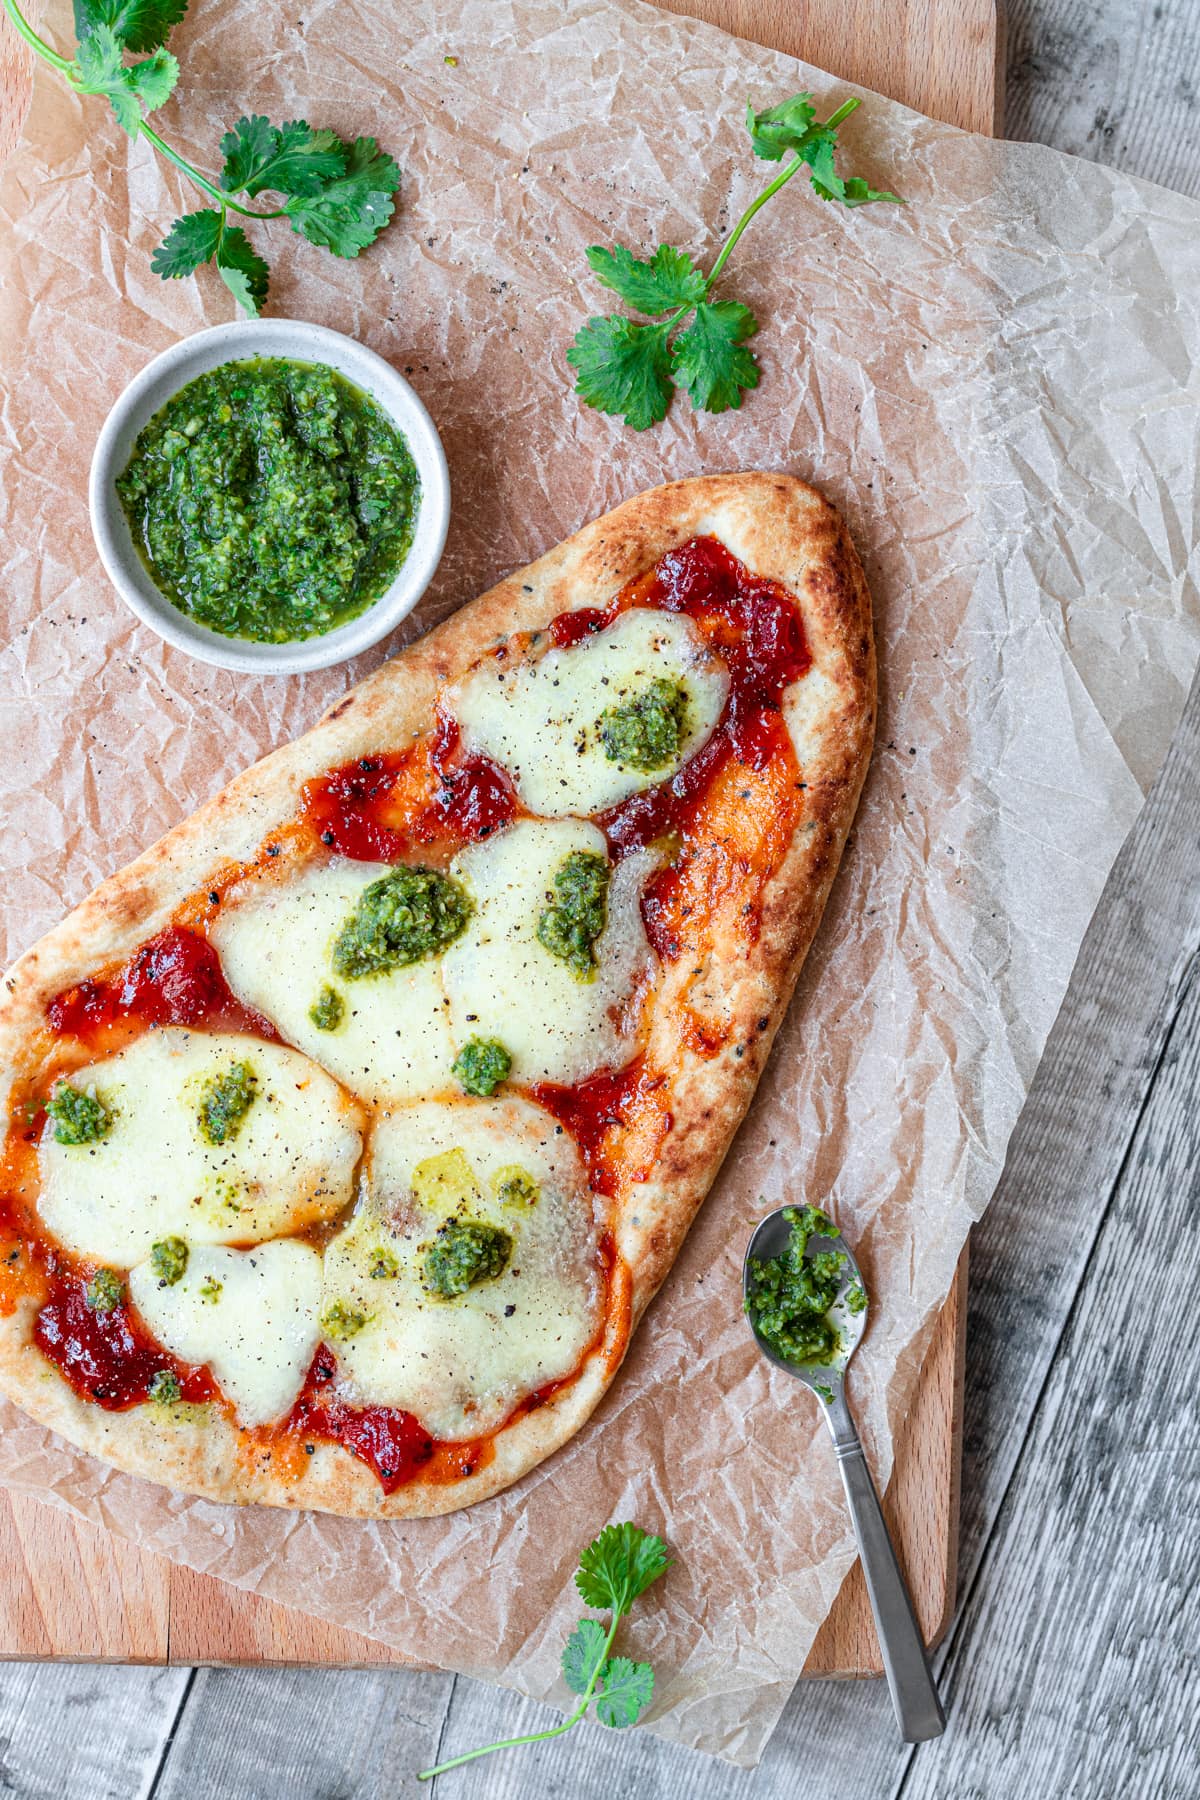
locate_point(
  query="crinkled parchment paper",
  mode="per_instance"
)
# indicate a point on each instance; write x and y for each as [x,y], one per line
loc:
[998,386]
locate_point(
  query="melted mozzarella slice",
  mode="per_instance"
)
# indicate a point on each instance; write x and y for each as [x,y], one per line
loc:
[461,1365]
[290,1161]
[251,1315]
[503,983]
[540,720]
[275,945]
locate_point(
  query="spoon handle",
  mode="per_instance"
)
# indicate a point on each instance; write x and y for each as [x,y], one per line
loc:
[914,1696]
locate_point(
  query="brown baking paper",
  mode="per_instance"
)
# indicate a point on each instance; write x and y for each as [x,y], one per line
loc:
[997,384]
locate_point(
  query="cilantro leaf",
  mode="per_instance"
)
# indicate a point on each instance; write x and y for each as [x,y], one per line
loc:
[191,241]
[583,1655]
[780,128]
[829,184]
[242,270]
[337,195]
[623,368]
[629,368]
[350,212]
[791,126]
[619,1565]
[100,69]
[246,149]
[627,1690]
[668,280]
[856,192]
[153,79]
[288,159]
[201,237]
[709,359]
[137,24]
[614,1569]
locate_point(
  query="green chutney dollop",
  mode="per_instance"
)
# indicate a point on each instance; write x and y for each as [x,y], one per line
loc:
[645,733]
[226,1100]
[792,1294]
[77,1117]
[481,1065]
[405,916]
[271,499]
[577,916]
[464,1252]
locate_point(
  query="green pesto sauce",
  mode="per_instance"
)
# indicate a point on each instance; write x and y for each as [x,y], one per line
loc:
[385,1265]
[78,1118]
[271,500]
[481,1065]
[515,1186]
[169,1260]
[341,1321]
[165,1388]
[227,1099]
[105,1291]
[211,1289]
[792,1293]
[327,1010]
[569,928]
[645,733]
[406,915]
[465,1251]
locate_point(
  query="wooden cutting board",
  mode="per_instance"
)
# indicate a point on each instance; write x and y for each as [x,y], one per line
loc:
[72,1591]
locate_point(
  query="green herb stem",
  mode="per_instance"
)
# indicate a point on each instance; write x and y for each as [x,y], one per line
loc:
[781,180]
[534,1737]
[41,48]
[222,199]
[37,44]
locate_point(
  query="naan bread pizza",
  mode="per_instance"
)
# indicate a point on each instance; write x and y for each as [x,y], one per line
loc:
[351,1129]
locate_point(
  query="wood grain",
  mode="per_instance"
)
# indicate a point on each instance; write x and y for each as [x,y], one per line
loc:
[921,1506]
[73,1590]
[1114,82]
[342,1733]
[77,1733]
[83,1732]
[942,57]
[16,70]
[1097,1569]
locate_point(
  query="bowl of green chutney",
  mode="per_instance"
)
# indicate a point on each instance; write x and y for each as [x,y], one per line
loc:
[270,496]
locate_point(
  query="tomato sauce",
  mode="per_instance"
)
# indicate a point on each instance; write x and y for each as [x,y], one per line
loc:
[174,979]
[394,1445]
[344,809]
[726,816]
[107,1357]
[618,1120]
[474,798]
[753,625]
[433,797]
[572,627]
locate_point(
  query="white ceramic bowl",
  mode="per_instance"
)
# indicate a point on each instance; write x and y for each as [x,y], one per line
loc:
[196,355]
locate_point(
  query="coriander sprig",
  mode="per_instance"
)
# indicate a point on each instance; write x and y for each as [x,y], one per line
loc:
[337,195]
[614,1569]
[632,369]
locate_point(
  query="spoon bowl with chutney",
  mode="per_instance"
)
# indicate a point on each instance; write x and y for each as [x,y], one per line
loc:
[807,1306]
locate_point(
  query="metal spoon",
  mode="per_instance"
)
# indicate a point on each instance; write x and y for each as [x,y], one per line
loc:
[915,1698]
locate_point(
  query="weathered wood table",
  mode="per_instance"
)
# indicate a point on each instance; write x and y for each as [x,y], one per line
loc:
[1070,1668]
